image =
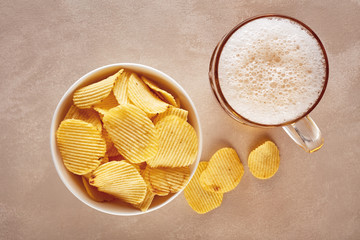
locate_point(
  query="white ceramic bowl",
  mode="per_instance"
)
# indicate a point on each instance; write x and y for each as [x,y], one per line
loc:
[73,182]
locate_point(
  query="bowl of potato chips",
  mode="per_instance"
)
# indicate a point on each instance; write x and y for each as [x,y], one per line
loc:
[125,139]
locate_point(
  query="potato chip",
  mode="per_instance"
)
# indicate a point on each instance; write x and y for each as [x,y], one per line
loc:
[81,146]
[145,204]
[171,111]
[178,143]
[121,180]
[142,97]
[132,132]
[120,88]
[264,161]
[163,181]
[164,94]
[92,94]
[87,115]
[106,104]
[199,199]
[223,172]
[95,194]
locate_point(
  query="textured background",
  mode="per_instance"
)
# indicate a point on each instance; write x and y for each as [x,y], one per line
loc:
[47,45]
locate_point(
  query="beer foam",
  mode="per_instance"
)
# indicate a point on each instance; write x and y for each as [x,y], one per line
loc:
[271,70]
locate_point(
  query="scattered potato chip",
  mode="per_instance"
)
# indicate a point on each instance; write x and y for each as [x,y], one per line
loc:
[223,172]
[145,204]
[164,94]
[95,194]
[92,94]
[121,180]
[81,146]
[264,161]
[120,88]
[178,143]
[199,199]
[142,97]
[87,115]
[132,132]
[163,181]
[171,111]
[106,104]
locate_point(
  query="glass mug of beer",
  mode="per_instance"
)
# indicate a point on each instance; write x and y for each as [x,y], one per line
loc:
[272,71]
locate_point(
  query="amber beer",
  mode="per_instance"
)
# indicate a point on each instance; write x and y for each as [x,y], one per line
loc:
[271,70]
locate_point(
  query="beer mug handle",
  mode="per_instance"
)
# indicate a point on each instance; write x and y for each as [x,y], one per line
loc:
[306,134]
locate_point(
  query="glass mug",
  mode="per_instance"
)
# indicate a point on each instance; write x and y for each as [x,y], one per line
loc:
[302,129]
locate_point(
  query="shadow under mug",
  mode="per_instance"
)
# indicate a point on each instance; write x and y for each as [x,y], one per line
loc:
[303,129]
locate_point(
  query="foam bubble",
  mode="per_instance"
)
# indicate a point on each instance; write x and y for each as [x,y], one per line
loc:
[271,70]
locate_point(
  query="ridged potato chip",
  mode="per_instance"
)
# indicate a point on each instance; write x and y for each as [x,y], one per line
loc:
[163,181]
[199,199]
[95,194]
[81,146]
[120,87]
[264,161]
[145,204]
[171,111]
[142,97]
[178,143]
[121,180]
[92,94]
[164,94]
[106,104]
[132,132]
[223,172]
[87,115]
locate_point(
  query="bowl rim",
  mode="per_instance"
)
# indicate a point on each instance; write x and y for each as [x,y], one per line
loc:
[73,87]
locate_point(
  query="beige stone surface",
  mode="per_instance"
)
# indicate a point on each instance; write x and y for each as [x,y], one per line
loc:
[47,45]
